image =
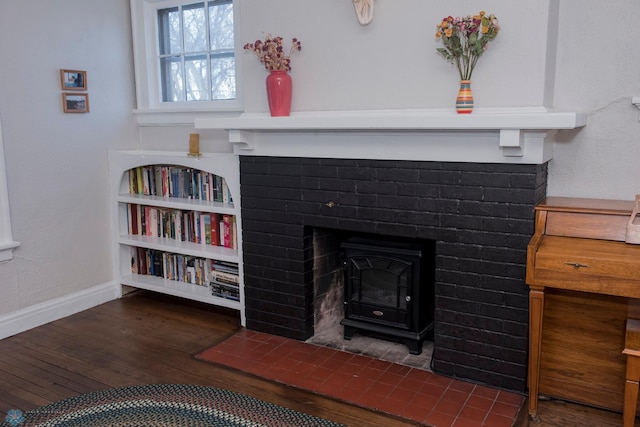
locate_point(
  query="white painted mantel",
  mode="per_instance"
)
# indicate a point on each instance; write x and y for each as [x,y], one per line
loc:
[514,135]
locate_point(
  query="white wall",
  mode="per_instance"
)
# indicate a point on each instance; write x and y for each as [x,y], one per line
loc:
[598,72]
[57,163]
[393,63]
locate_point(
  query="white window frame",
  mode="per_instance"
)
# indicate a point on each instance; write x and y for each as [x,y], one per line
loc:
[150,109]
[7,244]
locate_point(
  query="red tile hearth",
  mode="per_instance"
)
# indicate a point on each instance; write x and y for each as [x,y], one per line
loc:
[407,392]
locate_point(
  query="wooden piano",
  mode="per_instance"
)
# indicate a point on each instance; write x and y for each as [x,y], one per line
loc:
[584,284]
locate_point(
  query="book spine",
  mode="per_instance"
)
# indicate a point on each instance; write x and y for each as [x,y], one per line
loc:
[226,277]
[139,181]
[146,184]
[215,226]
[226,230]
[153,222]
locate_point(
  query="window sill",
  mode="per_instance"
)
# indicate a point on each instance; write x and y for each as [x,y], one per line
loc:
[180,116]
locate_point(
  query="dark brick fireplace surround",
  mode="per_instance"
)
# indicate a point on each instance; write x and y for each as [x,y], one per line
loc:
[480,215]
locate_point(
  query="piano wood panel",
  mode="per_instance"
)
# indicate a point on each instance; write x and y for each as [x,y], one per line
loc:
[585,284]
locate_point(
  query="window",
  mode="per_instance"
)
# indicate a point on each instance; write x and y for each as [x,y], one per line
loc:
[185,54]
[196,52]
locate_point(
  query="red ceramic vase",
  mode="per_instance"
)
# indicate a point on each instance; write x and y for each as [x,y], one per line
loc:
[279,93]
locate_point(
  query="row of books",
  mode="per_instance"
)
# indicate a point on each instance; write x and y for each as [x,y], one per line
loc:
[225,280]
[186,226]
[178,181]
[222,277]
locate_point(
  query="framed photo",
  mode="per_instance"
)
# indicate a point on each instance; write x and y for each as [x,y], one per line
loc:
[73,80]
[75,102]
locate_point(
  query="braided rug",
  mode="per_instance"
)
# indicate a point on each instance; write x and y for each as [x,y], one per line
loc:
[161,405]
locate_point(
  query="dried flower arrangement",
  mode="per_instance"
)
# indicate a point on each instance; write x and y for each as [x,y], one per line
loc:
[270,52]
[465,40]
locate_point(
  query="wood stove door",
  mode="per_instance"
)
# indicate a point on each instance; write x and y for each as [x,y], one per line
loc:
[378,290]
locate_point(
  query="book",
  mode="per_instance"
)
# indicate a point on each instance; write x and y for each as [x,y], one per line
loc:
[226,231]
[218,189]
[157,189]
[223,290]
[229,267]
[133,182]
[153,222]
[205,224]
[215,221]
[225,277]
[131,220]
[176,220]
[134,260]
[146,182]
[139,181]
[165,182]
[147,222]
[139,220]
[190,270]
[141,260]
[234,232]
[158,263]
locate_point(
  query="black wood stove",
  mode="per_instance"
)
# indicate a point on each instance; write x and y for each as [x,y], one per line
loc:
[389,290]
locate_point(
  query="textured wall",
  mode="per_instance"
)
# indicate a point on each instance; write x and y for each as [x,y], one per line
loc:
[56,163]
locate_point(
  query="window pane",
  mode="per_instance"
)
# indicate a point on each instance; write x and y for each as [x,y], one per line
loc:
[195,28]
[197,52]
[196,72]
[223,78]
[169,31]
[221,26]
[172,87]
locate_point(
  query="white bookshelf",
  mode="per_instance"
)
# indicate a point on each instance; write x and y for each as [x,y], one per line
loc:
[223,165]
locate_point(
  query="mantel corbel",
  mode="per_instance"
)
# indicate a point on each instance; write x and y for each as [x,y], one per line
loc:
[242,139]
[513,141]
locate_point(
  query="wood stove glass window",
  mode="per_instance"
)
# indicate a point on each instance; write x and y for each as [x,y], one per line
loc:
[381,281]
[379,289]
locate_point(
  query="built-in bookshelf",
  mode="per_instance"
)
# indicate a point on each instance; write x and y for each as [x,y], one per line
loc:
[177,220]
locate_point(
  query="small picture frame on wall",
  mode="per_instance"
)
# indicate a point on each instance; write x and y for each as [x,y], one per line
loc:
[73,79]
[75,102]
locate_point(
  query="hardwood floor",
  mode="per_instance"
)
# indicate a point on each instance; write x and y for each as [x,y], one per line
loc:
[147,338]
[143,339]
[558,413]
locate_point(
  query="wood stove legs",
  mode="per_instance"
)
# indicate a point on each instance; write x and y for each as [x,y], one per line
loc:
[413,340]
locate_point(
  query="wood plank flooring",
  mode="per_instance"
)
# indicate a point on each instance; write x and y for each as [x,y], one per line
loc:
[147,338]
[143,339]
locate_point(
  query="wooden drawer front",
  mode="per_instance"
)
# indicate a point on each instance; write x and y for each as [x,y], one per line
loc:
[593,226]
[583,258]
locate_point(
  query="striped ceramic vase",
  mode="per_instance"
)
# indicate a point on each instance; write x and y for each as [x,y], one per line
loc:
[464,101]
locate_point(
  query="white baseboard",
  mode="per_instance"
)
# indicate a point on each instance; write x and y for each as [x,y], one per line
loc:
[48,311]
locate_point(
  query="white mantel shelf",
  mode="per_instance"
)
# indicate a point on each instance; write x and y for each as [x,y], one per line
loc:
[503,136]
